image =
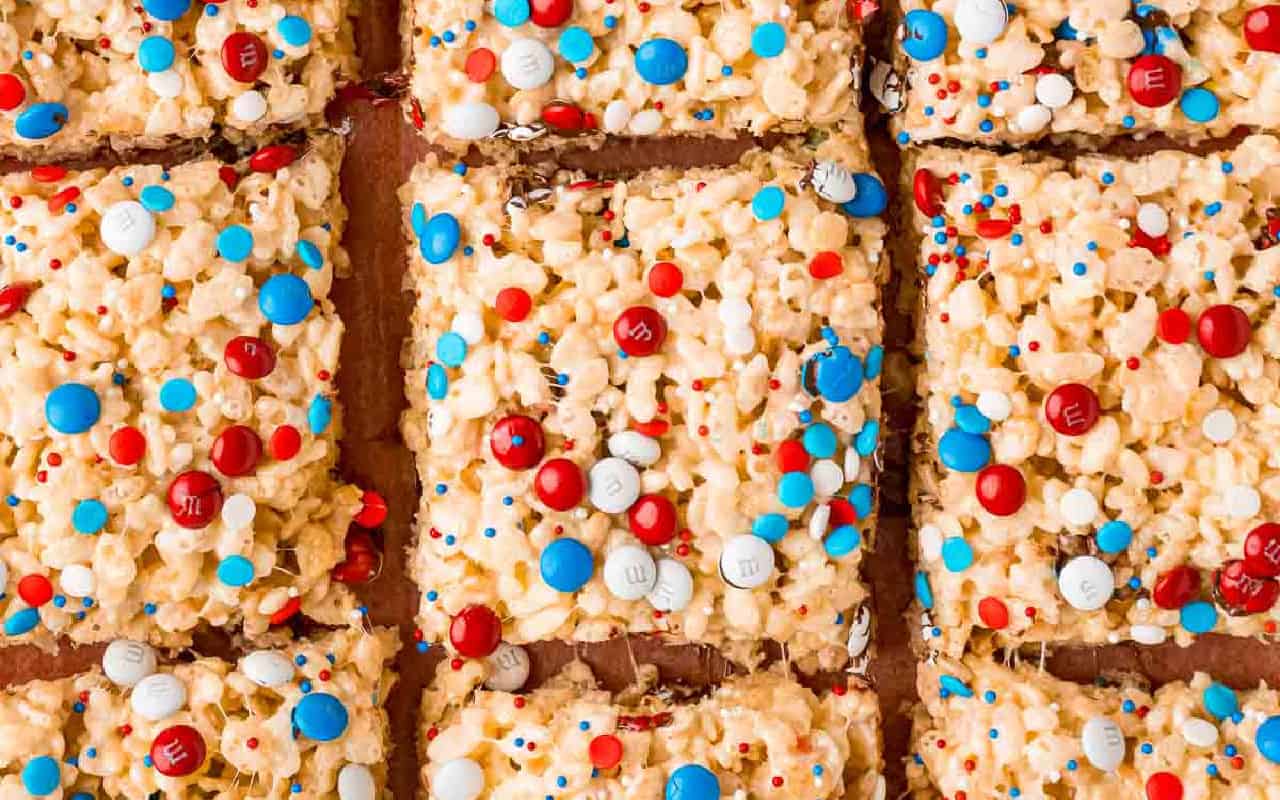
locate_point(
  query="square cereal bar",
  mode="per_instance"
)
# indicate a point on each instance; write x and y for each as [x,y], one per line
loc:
[167,416]
[990,730]
[1101,389]
[303,721]
[523,69]
[75,76]
[758,735]
[614,384]
[986,71]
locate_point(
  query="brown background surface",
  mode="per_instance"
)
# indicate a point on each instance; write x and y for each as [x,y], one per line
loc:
[375,308]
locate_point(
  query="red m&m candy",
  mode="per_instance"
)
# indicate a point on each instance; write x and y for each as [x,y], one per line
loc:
[285,443]
[1262,28]
[13,298]
[35,590]
[563,116]
[994,228]
[560,484]
[178,751]
[517,443]
[927,192]
[475,632]
[1177,587]
[605,751]
[1154,81]
[1173,326]
[1072,409]
[550,13]
[273,157]
[127,445]
[373,510]
[12,91]
[792,457]
[1262,551]
[1001,489]
[1224,331]
[826,264]
[244,56]
[195,498]
[236,451]
[362,559]
[480,64]
[665,279]
[993,613]
[653,519]
[639,331]
[1242,594]
[1164,786]
[513,304]
[249,357]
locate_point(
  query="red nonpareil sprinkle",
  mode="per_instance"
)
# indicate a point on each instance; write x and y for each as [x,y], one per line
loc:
[252,744]
[1046,226]
[697,385]
[944,316]
[1157,477]
[682,550]
[1132,362]
[432,732]
[1269,626]
[608,215]
[777,781]
[1033,346]
[1030,611]
[658,106]
[55,460]
[417,635]
[531,746]
[487,240]
[15,202]
[325,675]
[559,529]
[942,94]
[934,77]
[703,430]
[606,235]
[104,43]
[839,690]
[456,664]
[84,697]
[953,86]
[970,765]
[323,375]
[775,384]
[1142,711]
[743,747]
[1237,762]
[802,610]
[55,263]
[519,702]
[102,311]
[125,730]
[69,355]
[942,744]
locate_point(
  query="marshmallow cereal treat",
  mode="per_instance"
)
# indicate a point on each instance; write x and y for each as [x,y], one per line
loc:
[167,413]
[78,75]
[1096,459]
[1003,73]
[305,721]
[987,730]
[761,735]
[648,405]
[520,70]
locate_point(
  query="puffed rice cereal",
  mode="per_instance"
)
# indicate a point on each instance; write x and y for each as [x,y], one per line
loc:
[647,405]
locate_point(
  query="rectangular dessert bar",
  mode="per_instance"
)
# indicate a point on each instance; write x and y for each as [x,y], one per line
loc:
[758,735]
[1097,444]
[989,730]
[167,412]
[78,76]
[614,384]
[527,69]
[986,71]
[302,721]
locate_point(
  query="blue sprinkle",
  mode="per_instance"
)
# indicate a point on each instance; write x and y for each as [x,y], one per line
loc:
[177,395]
[451,349]
[988,697]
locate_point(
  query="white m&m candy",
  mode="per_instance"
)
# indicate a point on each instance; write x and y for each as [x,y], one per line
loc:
[616,116]
[267,668]
[1078,506]
[470,120]
[746,562]
[633,446]
[1219,426]
[629,572]
[77,580]
[1033,118]
[355,782]
[614,485]
[459,779]
[126,662]
[1153,220]
[1199,732]
[527,64]
[158,697]
[1086,582]
[249,106]
[995,406]
[508,668]
[674,587]
[827,477]
[166,83]
[1103,743]
[127,228]
[981,21]
[1054,90]
[833,182]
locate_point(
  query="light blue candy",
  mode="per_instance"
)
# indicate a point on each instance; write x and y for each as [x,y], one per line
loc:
[692,782]
[768,40]
[437,382]
[955,686]
[320,717]
[875,362]
[296,31]
[285,299]
[1199,104]
[418,220]
[310,254]
[1268,739]
[970,420]
[451,349]
[924,593]
[576,44]
[1220,700]
[156,54]
[1114,536]
[925,35]
[439,238]
[842,541]
[319,414]
[235,243]
[795,489]
[661,61]
[566,565]
[819,440]
[1198,617]
[167,10]
[511,12]
[770,527]
[21,622]
[235,571]
[837,374]
[963,452]
[177,394]
[41,776]
[768,203]
[156,199]
[871,197]
[41,120]
[89,516]
[861,498]
[867,439]
[72,408]
[957,555]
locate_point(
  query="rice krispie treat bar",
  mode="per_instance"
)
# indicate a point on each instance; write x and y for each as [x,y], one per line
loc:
[76,75]
[167,412]
[303,721]
[988,730]
[526,69]
[986,71]
[647,405]
[1101,384]
[762,735]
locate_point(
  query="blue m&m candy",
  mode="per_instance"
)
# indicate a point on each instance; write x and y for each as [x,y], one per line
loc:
[1198,617]
[953,685]
[768,203]
[865,442]
[661,61]
[167,10]
[41,120]
[21,622]
[819,440]
[89,516]
[155,54]
[795,489]
[177,394]
[957,555]
[963,452]
[41,776]
[768,40]
[235,571]
[693,782]
[770,527]
[924,592]
[1220,700]
[924,34]
[235,243]
[970,420]
[1268,739]
[566,565]
[72,408]
[285,299]
[451,349]
[295,30]
[835,374]
[842,541]
[870,199]
[319,414]
[156,199]
[320,717]
[439,238]
[1114,536]
[575,44]
[310,254]
[437,382]
[511,12]
[1199,105]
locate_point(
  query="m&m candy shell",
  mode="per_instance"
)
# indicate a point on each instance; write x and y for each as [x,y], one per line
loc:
[320,716]
[178,751]
[475,631]
[517,442]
